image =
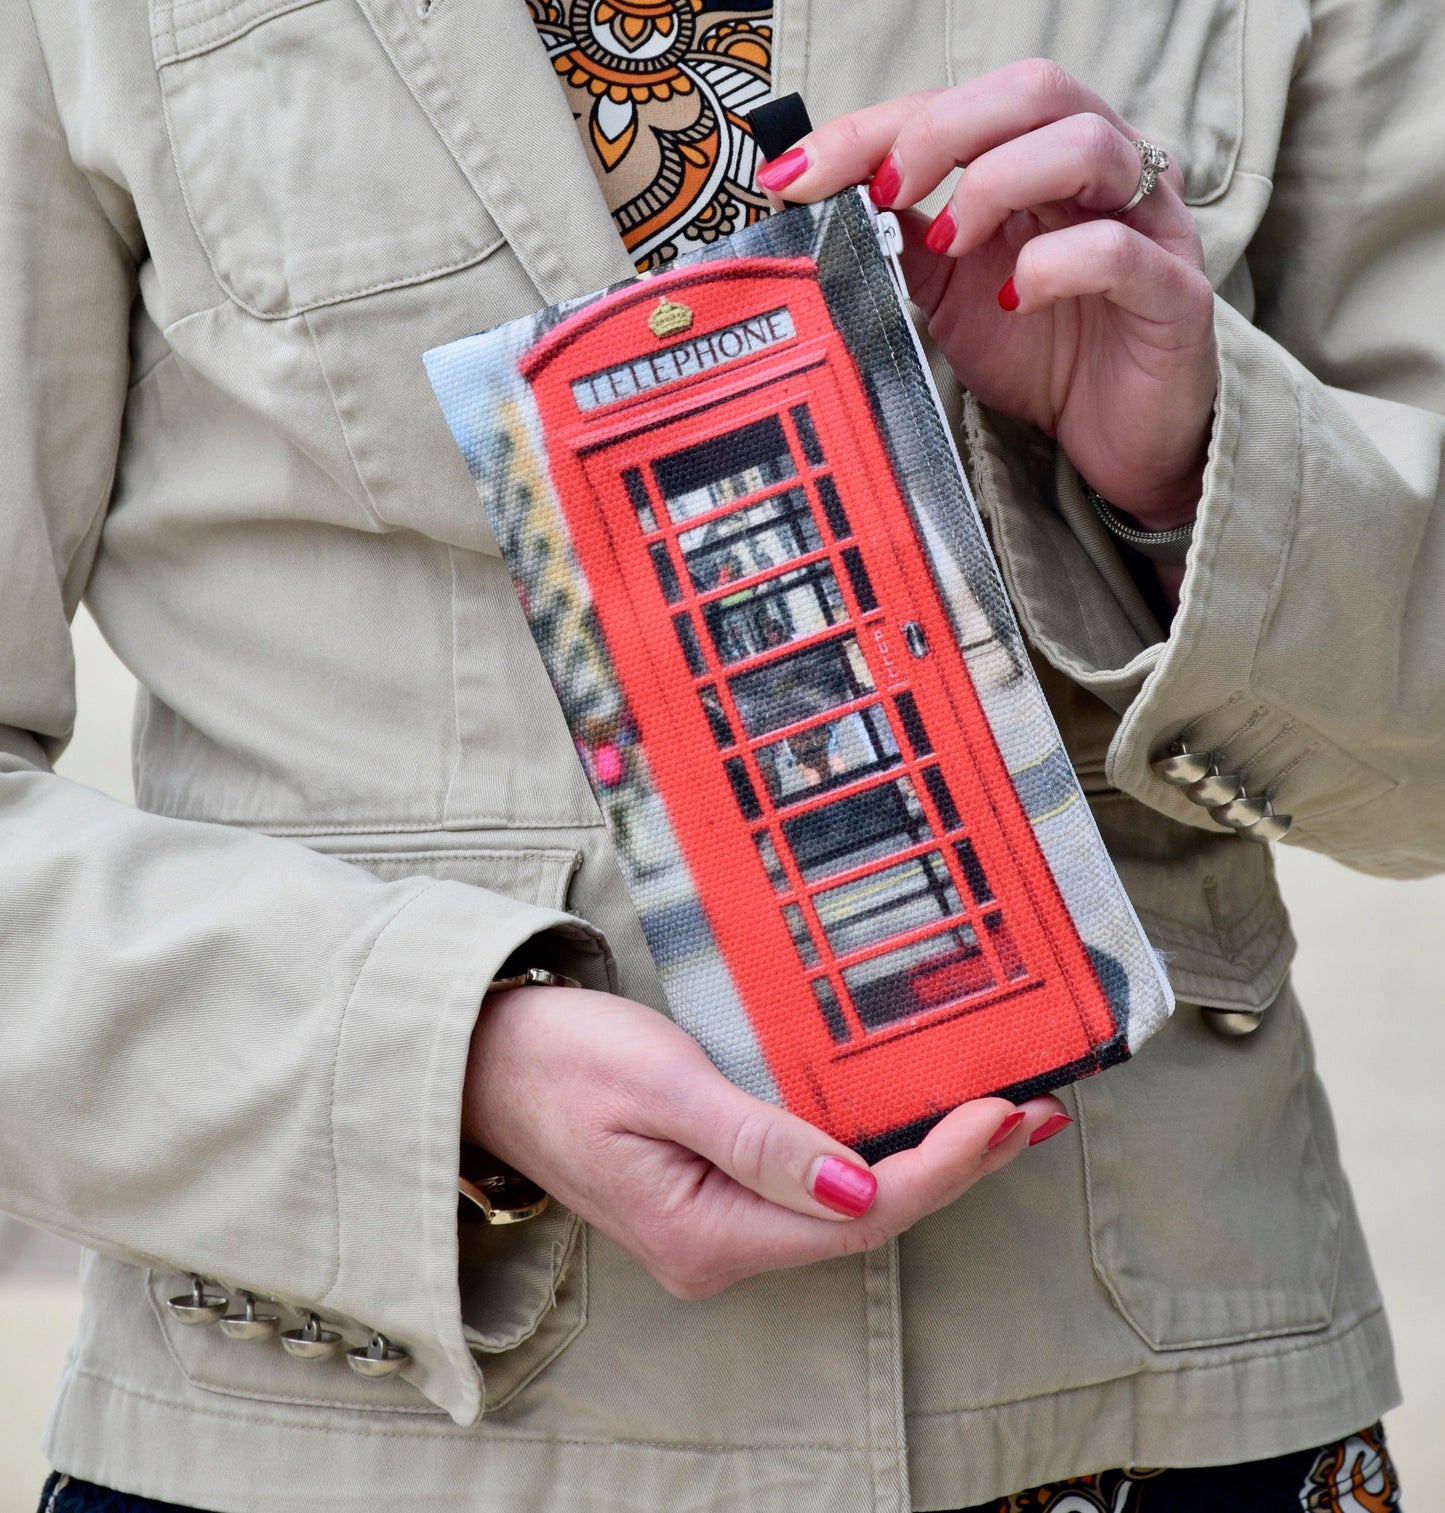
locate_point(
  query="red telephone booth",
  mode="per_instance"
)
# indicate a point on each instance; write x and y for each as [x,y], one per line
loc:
[858,847]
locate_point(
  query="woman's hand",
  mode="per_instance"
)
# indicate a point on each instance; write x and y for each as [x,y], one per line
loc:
[1097,329]
[620,1115]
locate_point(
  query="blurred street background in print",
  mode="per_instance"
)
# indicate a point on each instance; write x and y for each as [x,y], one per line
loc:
[1371,974]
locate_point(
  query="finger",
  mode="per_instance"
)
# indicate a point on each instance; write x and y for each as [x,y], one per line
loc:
[928,134]
[1084,159]
[762,1147]
[1126,267]
[725,1231]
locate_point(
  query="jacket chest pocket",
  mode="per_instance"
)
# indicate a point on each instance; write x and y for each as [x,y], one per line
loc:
[1175,72]
[310,172]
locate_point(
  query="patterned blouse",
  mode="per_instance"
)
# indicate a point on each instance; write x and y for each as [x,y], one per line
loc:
[658,89]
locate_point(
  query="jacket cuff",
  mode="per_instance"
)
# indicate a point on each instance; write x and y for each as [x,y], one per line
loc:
[1199,684]
[396,1117]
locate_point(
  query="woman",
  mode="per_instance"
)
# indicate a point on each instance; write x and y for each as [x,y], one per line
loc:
[228,237]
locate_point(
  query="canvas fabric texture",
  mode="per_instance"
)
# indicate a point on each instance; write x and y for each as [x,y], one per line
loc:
[751,562]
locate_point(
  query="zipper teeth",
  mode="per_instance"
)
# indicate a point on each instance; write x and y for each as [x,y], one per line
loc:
[55,1492]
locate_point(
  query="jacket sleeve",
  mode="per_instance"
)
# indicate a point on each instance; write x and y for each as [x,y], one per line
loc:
[220,1053]
[1308,652]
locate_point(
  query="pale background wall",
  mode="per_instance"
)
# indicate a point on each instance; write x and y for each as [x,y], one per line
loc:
[1371,974]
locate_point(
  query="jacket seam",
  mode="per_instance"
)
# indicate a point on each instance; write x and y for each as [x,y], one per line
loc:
[371,507]
[335,1272]
[1300,1344]
[450,1429]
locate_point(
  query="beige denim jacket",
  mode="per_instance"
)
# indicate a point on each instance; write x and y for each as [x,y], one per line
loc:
[233,1021]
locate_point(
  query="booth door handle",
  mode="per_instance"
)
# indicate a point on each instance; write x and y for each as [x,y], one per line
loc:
[917,641]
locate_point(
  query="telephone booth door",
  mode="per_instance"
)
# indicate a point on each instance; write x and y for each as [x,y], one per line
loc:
[810,723]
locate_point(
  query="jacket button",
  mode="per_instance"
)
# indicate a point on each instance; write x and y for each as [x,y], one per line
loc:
[1215,789]
[1273,827]
[1232,1023]
[198,1306]
[1241,813]
[249,1325]
[377,1358]
[1181,768]
[312,1342]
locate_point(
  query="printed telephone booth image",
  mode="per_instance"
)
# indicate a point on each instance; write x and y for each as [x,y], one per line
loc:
[862,858]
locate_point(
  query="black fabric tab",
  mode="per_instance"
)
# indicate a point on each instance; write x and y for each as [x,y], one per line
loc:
[778,124]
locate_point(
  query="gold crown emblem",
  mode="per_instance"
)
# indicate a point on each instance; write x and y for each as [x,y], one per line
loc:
[669,318]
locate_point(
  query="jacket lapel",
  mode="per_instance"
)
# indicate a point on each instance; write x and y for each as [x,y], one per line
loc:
[478,69]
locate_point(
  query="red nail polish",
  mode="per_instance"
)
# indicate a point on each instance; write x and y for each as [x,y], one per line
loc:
[941,233]
[782,171]
[845,1188]
[1008,297]
[886,182]
[1049,1128]
[1010,1124]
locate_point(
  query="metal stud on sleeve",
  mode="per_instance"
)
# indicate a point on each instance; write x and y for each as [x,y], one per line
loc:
[1182,767]
[1272,827]
[312,1342]
[1215,789]
[248,1324]
[198,1306]
[379,1357]
[1241,813]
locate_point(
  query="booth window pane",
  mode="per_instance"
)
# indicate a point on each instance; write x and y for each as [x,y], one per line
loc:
[795,604]
[832,1010]
[802,936]
[771,865]
[898,899]
[825,756]
[942,798]
[750,540]
[802,685]
[1003,942]
[973,871]
[858,575]
[724,468]
[945,969]
[637,492]
[666,574]
[833,509]
[913,725]
[716,716]
[807,435]
[687,637]
[743,789]
[863,827]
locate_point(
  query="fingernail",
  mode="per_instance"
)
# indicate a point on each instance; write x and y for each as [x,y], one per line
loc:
[886,183]
[941,233]
[1008,297]
[1049,1128]
[843,1187]
[1010,1124]
[782,171]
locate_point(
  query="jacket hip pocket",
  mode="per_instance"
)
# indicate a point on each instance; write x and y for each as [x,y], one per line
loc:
[1212,1209]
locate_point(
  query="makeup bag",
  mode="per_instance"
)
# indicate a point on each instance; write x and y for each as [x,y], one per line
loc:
[746,549]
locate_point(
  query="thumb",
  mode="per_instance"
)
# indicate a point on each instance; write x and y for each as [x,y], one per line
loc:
[766,1149]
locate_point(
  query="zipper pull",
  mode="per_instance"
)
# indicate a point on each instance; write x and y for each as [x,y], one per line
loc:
[890,241]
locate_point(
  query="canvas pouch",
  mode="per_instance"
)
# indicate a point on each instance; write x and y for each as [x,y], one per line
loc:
[746,549]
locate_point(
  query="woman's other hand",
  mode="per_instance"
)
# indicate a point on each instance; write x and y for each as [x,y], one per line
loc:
[620,1115]
[1096,328]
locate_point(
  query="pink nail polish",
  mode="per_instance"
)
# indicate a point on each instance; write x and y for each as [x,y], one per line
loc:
[782,171]
[1008,298]
[1049,1128]
[940,235]
[886,182]
[845,1188]
[1010,1124]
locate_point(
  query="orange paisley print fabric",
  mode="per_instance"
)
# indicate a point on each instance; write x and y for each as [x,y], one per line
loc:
[659,90]
[1355,1475]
